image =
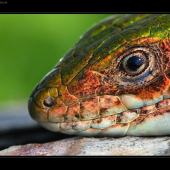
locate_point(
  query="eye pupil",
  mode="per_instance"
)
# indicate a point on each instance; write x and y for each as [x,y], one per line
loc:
[134,63]
[49,102]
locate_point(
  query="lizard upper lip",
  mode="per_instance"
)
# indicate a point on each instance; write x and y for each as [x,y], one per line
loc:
[126,122]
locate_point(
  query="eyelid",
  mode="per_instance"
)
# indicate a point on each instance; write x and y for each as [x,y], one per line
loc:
[137,78]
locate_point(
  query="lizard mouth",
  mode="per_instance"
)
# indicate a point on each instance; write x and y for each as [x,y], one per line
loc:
[104,116]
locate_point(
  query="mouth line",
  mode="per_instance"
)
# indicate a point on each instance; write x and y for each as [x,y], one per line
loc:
[142,111]
[129,122]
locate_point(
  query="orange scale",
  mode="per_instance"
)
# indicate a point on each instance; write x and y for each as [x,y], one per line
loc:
[84,84]
[110,105]
[65,96]
[89,108]
[72,114]
[57,114]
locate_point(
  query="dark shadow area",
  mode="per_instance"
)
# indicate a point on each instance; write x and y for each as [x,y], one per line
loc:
[18,128]
[29,136]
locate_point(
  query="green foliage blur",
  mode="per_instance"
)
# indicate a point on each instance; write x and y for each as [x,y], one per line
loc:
[32,44]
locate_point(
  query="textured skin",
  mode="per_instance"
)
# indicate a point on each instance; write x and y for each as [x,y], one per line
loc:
[93,93]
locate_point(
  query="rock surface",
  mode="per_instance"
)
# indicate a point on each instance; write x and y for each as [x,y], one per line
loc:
[90,146]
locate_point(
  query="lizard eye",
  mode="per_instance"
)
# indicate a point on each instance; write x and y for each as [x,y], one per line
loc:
[137,66]
[134,63]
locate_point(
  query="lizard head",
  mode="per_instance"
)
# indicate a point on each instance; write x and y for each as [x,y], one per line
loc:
[115,81]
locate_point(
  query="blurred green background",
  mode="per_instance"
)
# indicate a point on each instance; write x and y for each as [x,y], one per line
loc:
[32,44]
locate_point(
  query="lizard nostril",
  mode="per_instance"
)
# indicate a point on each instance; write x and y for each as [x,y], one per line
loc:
[49,102]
